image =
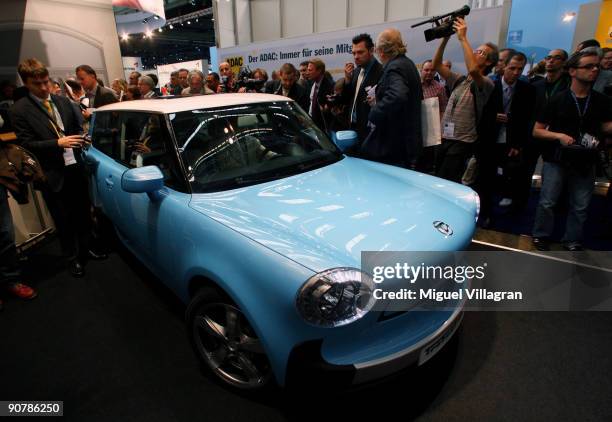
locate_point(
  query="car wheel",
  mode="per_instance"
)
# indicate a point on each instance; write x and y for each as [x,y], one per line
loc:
[226,342]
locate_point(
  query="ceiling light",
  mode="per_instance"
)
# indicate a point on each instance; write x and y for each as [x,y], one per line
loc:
[568,17]
[188,22]
[149,33]
[160,30]
[156,17]
[171,26]
[125,37]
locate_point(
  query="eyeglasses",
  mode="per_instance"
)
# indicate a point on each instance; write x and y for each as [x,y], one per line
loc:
[553,58]
[589,66]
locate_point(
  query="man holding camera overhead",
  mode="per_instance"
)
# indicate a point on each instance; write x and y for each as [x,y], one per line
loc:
[466,103]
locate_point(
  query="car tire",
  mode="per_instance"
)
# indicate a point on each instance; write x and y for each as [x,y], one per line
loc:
[226,343]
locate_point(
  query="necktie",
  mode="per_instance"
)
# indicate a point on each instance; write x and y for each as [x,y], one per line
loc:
[357,87]
[315,99]
[507,97]
[47,105]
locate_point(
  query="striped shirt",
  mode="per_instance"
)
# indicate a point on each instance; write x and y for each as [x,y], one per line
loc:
[436,89]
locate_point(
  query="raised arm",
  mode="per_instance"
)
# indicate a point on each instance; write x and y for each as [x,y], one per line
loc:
[437,60]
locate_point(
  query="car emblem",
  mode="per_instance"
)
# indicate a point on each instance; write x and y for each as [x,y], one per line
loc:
[443,228]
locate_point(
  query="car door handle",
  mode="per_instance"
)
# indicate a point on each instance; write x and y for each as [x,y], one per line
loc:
[109,182]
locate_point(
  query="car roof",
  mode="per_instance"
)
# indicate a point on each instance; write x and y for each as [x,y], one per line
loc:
[176,104]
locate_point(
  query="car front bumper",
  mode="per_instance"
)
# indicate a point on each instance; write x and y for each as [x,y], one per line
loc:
[306,364]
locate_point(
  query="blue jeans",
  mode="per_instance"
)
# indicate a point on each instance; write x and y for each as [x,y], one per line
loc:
[580,189]
[9,265]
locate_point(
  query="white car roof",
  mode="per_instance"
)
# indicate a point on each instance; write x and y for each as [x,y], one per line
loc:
[193,102]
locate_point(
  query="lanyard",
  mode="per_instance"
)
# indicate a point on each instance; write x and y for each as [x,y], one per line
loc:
[581,113]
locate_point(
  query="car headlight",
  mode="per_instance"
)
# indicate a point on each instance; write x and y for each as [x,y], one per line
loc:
[336,297]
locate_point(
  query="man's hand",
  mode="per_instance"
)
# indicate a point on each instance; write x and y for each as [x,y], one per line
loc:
[513,152]
[72,141]
[460,29]
[86,114]
[242,90]
[371,100]
[348,71]
[565,140]
[501,118]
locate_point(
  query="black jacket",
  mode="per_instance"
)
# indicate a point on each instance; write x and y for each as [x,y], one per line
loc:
[36,134]
[397,138]
[297,93]
[362,108]
[520,116]
[104,96]
[325,88]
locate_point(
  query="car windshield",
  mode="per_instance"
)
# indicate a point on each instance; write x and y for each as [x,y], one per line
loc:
[229,147]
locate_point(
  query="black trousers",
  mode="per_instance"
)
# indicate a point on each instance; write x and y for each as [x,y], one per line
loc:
[70,209]
[451,158]
[488,182]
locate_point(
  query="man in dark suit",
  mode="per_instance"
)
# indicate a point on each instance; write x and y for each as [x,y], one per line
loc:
[319,88]
[504,131]
[48,126]
[396,108]
[367,74]
[98,95]
[289,87]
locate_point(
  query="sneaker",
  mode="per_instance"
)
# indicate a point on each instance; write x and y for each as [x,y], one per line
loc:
[541,243]
[22,291]
[573,247]
[505,202]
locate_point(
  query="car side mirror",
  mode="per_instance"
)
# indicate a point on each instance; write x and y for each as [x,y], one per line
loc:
[345,139]
[148,179]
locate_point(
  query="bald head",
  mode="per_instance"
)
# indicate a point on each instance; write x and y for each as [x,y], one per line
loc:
[225,70]
[389,44]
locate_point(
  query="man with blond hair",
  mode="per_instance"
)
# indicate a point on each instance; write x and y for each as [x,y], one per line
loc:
[395,114]
[319,88]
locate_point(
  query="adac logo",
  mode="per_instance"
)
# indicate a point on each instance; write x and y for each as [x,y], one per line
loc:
[235,63]
[443,228]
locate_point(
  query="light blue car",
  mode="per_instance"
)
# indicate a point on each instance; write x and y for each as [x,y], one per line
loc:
[257,221]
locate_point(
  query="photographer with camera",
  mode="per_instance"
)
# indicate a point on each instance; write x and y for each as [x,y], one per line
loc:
[227,79]
[466,103]
[571,126]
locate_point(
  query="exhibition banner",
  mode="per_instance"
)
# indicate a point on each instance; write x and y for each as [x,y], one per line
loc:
[131,64]
[334,48]
[164,71]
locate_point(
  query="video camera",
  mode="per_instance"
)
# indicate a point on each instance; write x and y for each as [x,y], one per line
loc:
[244,80]
[444,28]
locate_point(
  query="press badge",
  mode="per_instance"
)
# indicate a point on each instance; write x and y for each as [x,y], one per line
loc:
[449,130]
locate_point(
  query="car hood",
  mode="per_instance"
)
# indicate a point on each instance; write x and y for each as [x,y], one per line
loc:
[326,217]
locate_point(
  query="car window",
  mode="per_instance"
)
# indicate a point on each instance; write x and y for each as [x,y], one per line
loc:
[240,145]
[137,139]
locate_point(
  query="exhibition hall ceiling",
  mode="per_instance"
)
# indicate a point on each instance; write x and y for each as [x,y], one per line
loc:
[187,34]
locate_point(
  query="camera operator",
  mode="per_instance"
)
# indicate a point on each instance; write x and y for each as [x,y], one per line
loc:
[571,125]
[289,87]
[365,72]
[466,103]
[227,79]
[255,81]
[395,113]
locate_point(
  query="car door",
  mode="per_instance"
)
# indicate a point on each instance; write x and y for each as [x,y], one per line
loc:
[146,223]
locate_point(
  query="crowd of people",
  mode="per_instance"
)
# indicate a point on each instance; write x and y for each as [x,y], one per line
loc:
[495,124]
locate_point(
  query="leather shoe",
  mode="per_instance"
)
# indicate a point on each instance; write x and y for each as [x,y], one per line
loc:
[97,256]
[541,244]
[573,247]
[77,269]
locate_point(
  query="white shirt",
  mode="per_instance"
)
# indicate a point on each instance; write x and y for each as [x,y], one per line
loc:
[501,138]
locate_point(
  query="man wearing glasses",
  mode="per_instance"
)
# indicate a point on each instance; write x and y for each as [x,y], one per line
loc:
[465,104]
[556,80]
[571,126]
